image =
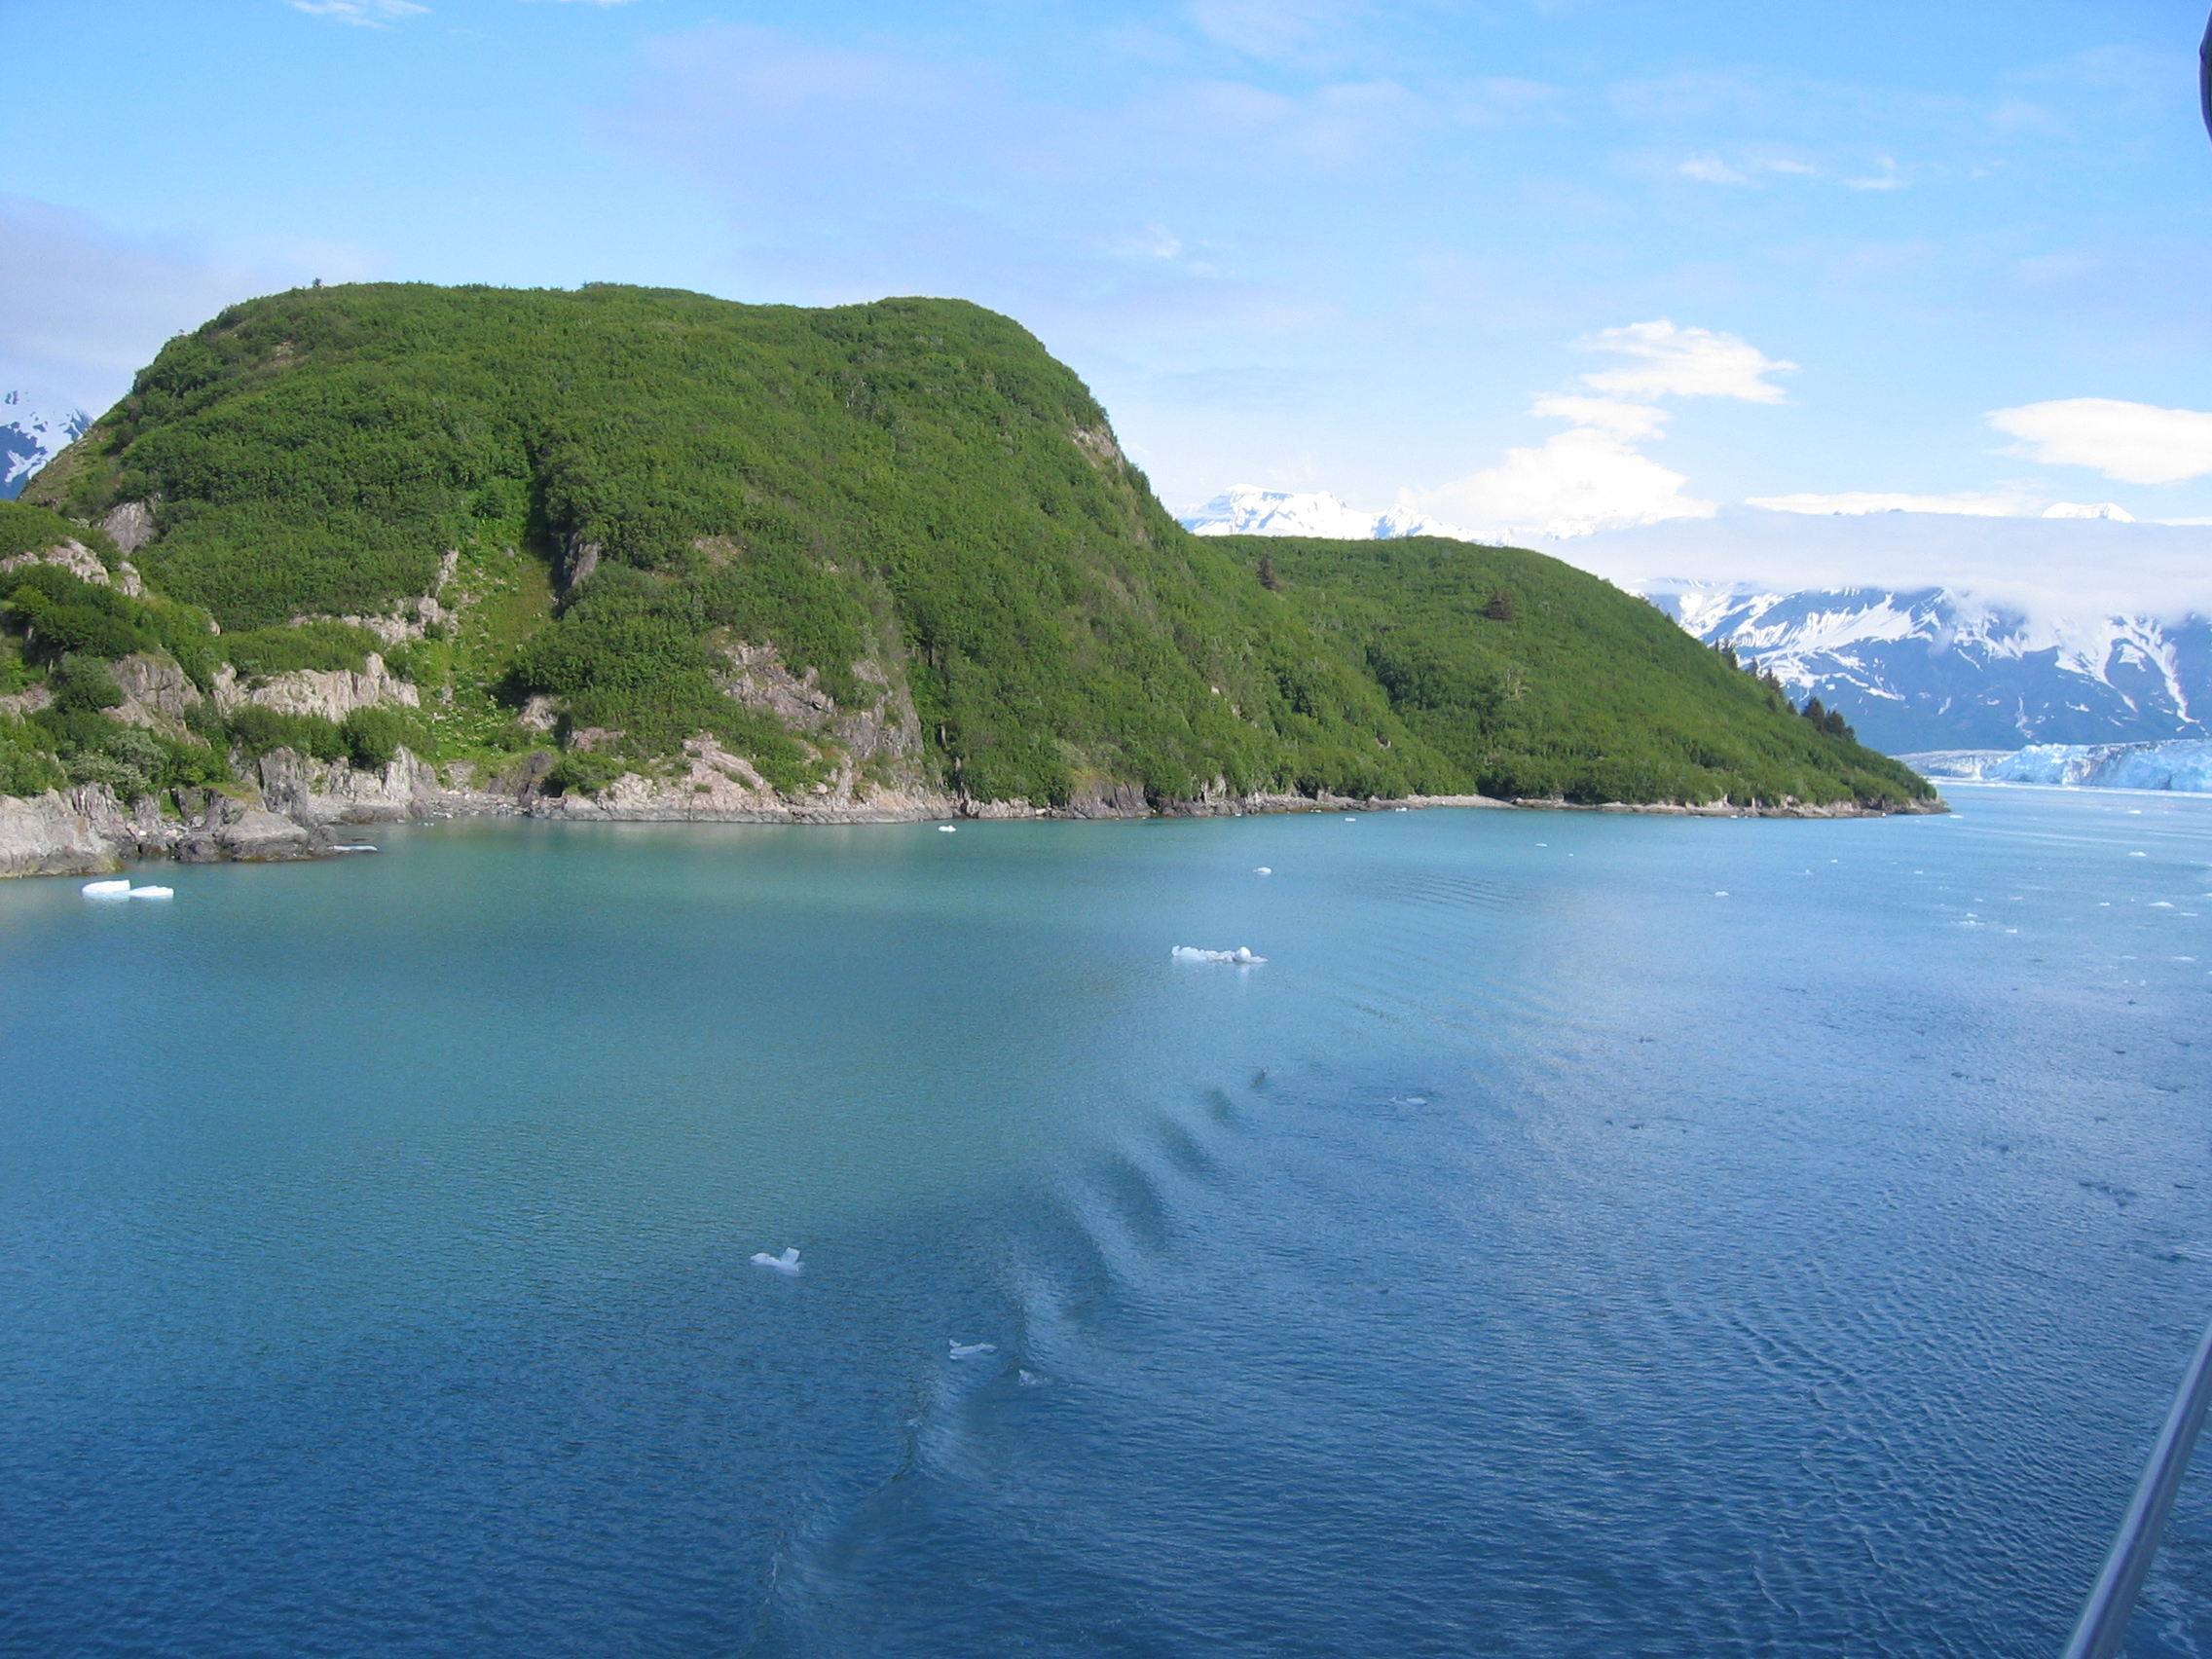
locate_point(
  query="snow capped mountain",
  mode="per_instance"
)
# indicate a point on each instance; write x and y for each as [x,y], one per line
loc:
[30,438]
[1931,669]
[1247,511]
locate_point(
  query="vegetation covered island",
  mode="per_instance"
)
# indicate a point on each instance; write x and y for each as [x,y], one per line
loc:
[650,553]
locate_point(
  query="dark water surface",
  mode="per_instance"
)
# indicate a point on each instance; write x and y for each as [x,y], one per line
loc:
[1585,1236]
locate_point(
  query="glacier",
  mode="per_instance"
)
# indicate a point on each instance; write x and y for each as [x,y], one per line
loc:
[1249,510]
[2179,764]
[30,438]
[1933,669]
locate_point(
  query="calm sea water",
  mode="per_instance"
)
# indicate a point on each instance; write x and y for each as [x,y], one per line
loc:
[1583,1235]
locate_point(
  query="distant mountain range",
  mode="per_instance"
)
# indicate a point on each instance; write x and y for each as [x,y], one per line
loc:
[1247,511]
[1930,669]
[30,438]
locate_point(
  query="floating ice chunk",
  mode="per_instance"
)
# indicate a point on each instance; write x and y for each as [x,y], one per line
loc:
[355,847]
[1262,871]
[2138,855]
[106,890]
[1352,821]
[1722,893]
[153,893]
[1242,955]
[969,1350]
[948,829]
[2160,904]
[787,1264]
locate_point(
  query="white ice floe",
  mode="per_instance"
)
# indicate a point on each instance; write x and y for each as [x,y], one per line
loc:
[948,829]
[969,1350]
[1242,955]
[1722,893]
[106,890]
[1262,871]
[787,1264]
[355,847]
[153,893]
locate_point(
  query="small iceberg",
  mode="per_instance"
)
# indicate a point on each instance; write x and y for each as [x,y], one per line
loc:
[948,829]
[1262,871]
[153,893]
[357,847]
[106,890]
[787,1264]
[969,1350]
[1242,955]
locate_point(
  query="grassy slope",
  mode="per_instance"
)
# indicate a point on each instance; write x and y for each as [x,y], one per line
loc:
[1586,692]
[916,483]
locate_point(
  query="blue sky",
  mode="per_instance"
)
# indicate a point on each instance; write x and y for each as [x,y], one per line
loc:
[1516,263]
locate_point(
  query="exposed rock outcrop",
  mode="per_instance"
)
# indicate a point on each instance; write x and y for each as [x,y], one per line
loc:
[156,692]
[333,693]
[74,556]
[85,830]
[129,526]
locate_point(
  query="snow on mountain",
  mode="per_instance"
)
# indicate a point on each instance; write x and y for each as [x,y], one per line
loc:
[30,438]
[1931,669]
[1247,511]
[2183,765]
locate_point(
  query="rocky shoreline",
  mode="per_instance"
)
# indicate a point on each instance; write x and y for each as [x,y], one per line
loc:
[297,804]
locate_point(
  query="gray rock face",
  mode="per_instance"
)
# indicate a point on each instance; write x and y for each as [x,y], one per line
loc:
[333,693]
[59,835]
[86,832]
[129,526]
[156,692]
[74,556]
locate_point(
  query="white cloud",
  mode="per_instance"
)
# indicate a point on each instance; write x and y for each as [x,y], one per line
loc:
[1857,503]
[363,14]
[1630,421]
[1683,362]
[1582,480]
[2137,443]
[1709,169]
[1889,178]
[2111,510]
[1592,476]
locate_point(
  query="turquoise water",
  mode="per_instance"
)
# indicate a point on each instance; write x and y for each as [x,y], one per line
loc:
[1584,1235]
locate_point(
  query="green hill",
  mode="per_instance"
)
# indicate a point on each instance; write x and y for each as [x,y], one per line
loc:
[636,492]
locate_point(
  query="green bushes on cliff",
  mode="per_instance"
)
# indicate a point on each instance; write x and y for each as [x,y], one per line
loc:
[912,485]
[1537,679]
[28,529]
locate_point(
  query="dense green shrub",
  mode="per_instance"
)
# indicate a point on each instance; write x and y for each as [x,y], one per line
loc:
[372,736]
[93,749]
[262,653]
[83,683]
[27,766]
[256,731]
[28,529]
[1571,688]
[580,772]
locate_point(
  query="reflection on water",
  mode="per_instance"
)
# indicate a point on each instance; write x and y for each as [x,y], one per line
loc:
[1584,1235]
